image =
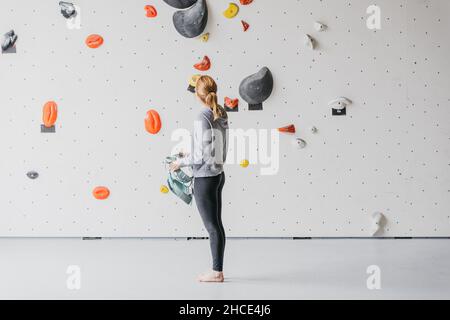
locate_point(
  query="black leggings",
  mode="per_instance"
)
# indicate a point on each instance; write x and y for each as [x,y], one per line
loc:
[208,197]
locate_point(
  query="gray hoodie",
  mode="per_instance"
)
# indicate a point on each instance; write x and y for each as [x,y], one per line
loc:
[209,145]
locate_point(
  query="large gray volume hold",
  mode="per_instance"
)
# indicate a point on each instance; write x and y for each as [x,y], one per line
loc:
[255,89]
[190,23]
[180,4]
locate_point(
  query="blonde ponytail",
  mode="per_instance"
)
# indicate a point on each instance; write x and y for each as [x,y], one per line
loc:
[206,90]
[211,101]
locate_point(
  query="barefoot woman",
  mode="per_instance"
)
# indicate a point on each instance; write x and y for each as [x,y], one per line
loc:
[207,158]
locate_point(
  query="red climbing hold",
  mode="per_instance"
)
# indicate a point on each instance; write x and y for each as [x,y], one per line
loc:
[288,129]
[94,41]
[245,25]
[203,65]
[101,193]
[151,11]
[49,114]
[231,103]
[245,2]
[152,122]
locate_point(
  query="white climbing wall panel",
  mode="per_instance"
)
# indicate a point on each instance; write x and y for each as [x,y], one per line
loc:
[389,154]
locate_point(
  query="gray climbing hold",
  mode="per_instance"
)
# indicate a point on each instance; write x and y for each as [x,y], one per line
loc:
[32,174]
[9,39]
[190,23]
[67,9]
[45,129]
[255,89]
[180,4]
[299,143]
[314,129]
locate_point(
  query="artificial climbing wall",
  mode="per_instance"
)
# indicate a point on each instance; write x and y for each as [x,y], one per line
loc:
[388,154]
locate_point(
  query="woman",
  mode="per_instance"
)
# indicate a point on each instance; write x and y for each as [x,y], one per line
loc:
[207,158]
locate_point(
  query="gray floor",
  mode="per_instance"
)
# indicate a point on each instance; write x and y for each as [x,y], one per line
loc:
[255,269]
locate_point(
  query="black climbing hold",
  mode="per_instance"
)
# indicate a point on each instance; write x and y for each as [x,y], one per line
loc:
[190,23]
[180,4]
[339,106]
[338,112]
[67,9]
[255,89]
[9,39]
[191,89]
[32,174]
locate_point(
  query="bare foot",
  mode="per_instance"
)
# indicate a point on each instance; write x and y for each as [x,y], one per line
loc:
[211,276]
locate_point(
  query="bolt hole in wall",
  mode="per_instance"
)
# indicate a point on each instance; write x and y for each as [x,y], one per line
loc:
[353,100]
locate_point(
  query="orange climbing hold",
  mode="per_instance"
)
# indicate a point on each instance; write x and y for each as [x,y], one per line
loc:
[288,129]
[152,122]
[151,11]
[49,113]
[231,103]
[203,65]
[94,41]
[245,25]
[101,193]
[245,2]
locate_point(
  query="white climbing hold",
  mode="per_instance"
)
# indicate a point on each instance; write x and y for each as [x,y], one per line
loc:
[319,26]
[309,42]
[299,143]
[313,129]
[376,221]
[339,103]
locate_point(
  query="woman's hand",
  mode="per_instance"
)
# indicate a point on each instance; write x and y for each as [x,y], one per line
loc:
[174,166]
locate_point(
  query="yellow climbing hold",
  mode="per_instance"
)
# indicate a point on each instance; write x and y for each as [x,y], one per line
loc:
[244,163]
[193,82]
[204,37]
[231,11]
[164,189]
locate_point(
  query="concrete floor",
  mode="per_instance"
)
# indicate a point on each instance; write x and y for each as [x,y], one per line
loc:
[255,269]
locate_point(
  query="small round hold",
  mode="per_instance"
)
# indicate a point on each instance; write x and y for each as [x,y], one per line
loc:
[94,41]
[101,193]
[314,129]
[205,37]
[299,143]
[32,174]
[244,163]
